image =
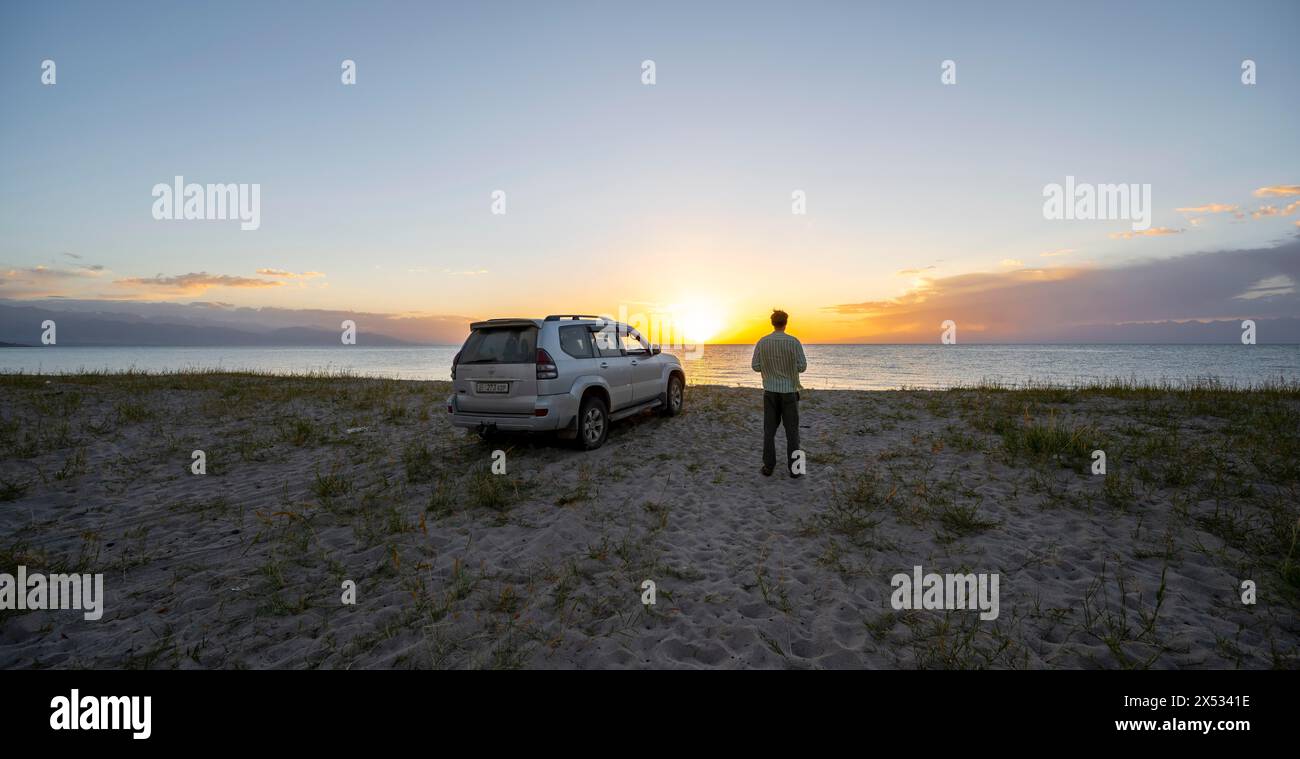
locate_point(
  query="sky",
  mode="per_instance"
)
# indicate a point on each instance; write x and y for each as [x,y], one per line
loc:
[921,199]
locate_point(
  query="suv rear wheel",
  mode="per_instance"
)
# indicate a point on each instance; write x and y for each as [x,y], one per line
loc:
[593,423]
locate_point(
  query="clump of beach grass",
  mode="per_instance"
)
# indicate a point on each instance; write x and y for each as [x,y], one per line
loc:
[1051,438]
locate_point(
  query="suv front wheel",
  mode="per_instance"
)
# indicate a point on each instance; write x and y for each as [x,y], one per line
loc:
[593,423]
[674,396]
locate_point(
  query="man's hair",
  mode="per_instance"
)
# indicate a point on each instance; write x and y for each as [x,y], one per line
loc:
[779,317]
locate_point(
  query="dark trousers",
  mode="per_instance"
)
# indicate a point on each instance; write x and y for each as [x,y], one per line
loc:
[780,409]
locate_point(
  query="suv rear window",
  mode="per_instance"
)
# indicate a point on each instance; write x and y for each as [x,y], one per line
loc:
[500,345]
[576,341]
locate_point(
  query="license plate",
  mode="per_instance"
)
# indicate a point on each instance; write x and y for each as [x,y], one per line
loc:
[493,387]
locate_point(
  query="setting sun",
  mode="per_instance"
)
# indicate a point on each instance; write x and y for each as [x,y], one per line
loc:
[697,322]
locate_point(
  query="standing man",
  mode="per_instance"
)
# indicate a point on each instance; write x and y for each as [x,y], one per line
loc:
[780,358]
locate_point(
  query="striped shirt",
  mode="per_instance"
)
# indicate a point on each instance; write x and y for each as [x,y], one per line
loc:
[780,358]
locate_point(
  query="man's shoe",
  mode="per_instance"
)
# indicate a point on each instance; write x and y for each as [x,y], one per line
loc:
[794,476]
[766,470]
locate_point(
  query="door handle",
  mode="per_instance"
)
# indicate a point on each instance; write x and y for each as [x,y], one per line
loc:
[604,365]
[634,362]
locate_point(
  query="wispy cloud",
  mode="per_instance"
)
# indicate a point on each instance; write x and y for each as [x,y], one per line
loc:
[1269,287]
[1272,191]
[1271,210]
[1278,191]
[34,274]
[1056,253]
[1152,232]
[1208,208]
[451,272]
[290,274]
[195,283]
[46,281]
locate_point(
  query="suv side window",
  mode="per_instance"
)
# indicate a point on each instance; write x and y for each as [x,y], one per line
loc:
[575,340]
[607,341]
[632,343]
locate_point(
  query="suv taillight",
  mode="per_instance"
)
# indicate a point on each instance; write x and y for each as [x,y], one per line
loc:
[546,368]
[455,361]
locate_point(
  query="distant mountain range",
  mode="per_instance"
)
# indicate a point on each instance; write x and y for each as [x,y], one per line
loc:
[1278,331]
[1282,330]
[21,325]
[126,324]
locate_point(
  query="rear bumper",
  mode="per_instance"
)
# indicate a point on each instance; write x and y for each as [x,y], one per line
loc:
[560,413]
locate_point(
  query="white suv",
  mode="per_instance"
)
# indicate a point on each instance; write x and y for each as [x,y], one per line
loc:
[569,373]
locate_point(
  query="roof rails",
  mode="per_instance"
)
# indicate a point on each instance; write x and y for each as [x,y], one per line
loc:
[575,317]
[507,322]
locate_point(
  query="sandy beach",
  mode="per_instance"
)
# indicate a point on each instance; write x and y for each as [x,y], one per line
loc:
[315,481]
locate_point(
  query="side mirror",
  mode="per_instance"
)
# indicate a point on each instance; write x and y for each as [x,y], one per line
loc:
[655,350]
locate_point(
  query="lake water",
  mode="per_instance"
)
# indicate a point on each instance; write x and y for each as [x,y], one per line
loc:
[866,367]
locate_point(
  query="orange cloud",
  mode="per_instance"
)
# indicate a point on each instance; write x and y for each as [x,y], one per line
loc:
[1208,208]
[1271,210]
[195,282]
[1152,232]
[1278,191]
[32,274]
[289,274]
[44,281]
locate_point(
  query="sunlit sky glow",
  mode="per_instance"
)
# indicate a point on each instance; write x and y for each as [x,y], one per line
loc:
[677,196]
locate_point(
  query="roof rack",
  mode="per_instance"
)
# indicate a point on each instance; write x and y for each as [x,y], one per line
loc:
[575,317]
